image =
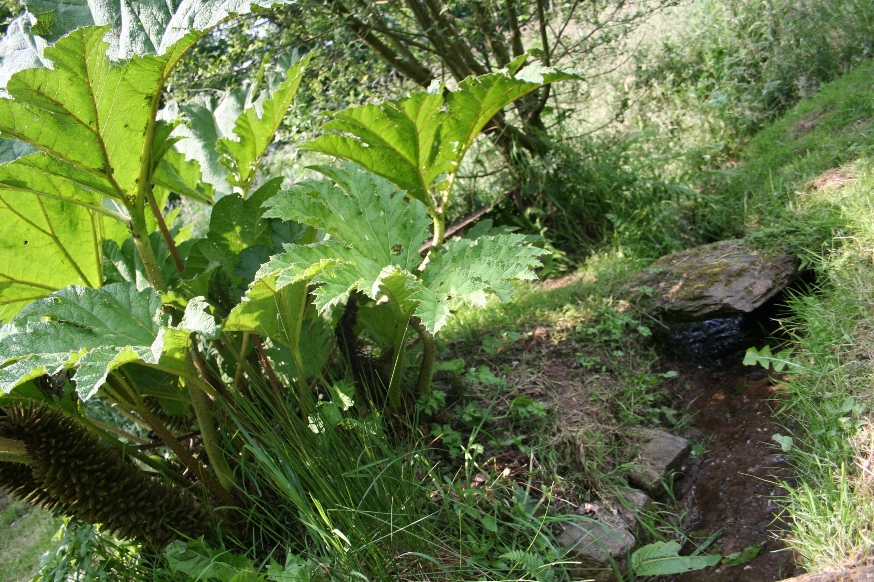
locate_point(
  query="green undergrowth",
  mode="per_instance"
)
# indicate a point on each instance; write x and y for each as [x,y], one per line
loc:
[807,183]
[25,534]
[829,391]
[554,388]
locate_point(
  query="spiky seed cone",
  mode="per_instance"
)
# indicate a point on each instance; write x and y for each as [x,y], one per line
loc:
[17,479]
[92,482]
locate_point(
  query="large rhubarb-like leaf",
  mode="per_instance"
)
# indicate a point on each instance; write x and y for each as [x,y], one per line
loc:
[80,143]
[372,226]
[237,224]
[257,125]
[95,331]
[375,236]
[228,133]
[91,116]
[138,27]
[418,142]
[467,271]
[20,49]
[47,244]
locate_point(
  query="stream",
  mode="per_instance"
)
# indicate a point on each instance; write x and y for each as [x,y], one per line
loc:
[734,484]
[733,487]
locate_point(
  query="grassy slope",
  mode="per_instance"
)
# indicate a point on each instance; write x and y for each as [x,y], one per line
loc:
[807,182]
[805,185]
[25,534]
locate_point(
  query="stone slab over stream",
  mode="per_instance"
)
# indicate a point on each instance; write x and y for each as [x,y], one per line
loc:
[716,280]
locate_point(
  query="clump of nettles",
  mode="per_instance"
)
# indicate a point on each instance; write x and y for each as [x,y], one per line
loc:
[71,471]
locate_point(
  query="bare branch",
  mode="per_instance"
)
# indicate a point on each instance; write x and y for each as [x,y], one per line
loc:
[412,70]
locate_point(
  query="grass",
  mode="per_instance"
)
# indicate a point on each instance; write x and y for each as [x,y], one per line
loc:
[807,182]
[532,415]
[25,534]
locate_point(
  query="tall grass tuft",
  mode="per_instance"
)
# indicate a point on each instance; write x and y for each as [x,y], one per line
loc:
[331,485]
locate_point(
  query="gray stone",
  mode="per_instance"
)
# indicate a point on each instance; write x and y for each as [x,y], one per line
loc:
[659,453]
[595,547]
[632,503]
[636,499]
[716,280]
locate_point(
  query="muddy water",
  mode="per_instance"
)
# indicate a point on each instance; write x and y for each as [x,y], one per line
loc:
[732,486]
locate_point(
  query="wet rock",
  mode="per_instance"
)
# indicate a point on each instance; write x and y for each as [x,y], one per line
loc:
[596,547]
[856,575]
[658,455]
[716,280]
[706,341]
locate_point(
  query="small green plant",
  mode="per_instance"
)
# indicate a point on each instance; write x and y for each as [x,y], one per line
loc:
[663,559]
[779,361]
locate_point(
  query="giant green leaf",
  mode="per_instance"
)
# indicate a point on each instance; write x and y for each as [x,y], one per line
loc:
[228,133]
[236,224]
[418,142]
[47,244]
[95,331]
[255,128]
[372,226]
[138,27]
[80,142]
[176,173]
[87,113]
[375,236]
[208,118]
[362,210]
[20,49]
[467,271]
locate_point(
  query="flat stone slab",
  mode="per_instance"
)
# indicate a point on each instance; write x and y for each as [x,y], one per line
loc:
[659,453]
[716,280]
[593,544]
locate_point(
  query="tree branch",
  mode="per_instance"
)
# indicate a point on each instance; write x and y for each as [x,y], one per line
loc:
[412,70]
[486,24]
[515,32]
[448,56]
[438,13]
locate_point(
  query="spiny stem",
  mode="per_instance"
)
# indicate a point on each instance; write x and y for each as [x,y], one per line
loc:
[238,374]
[9,447]
[202,368]
[274,381]
[140,233]
[14,458]
[439,229]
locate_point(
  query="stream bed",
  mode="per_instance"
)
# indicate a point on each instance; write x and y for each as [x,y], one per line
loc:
[734,485]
